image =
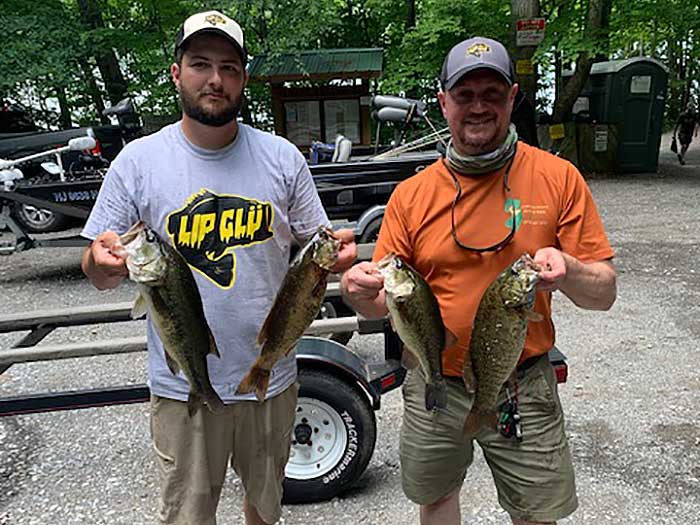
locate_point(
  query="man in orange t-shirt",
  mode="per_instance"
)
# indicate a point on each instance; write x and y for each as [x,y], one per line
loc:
[459,223]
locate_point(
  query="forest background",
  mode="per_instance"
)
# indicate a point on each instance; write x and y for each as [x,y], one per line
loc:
[66,60]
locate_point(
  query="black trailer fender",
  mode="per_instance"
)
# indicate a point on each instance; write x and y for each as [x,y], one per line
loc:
[367,227]
[337,359]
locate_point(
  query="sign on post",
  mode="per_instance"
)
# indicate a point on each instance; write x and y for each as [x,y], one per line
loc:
[557,131]
[529,31]
[600,139]
[524,67]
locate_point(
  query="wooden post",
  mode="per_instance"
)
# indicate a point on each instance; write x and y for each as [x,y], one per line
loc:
[525,75]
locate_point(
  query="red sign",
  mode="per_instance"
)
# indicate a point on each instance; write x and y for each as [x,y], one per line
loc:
[529,31]
[531,24]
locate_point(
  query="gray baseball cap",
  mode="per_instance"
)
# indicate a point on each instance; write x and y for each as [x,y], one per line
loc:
[475,53]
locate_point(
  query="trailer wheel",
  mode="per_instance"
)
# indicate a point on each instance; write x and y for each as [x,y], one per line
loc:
[332,441]
[39,220]
[328,311]
[371,232]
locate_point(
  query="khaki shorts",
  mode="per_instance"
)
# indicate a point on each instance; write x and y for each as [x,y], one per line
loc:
[534,478]
[193,455]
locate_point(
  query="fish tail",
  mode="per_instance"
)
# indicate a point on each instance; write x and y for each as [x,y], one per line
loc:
[257,380]
[435,395]
[214,402]
[476,419]
[195,401]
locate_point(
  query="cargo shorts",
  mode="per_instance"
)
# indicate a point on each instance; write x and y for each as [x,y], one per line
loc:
[534,478]
[193,455]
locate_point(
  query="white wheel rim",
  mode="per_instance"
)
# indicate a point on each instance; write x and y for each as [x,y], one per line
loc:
[37,215]
[328,438]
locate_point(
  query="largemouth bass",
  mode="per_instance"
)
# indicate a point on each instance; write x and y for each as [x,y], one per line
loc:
[168,291]
[498,338]
[297,303]
[415,316]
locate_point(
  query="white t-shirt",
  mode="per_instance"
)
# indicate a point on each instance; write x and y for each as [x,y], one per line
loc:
[233,214]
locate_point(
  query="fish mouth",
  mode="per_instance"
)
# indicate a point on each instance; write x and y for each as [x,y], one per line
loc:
[326,245]
[526,264]
[132,233]
[326,232]
[398,281]
[386,261]
[141,249]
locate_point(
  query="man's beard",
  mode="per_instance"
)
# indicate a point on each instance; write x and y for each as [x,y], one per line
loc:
[483,144]
[195,111]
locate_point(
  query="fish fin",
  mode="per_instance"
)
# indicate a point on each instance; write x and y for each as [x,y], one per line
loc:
[476,420]
[172,364]
[408,359]
[194,403]
[533,316]
[212,345]
[435,395]
[265,329]
[450,338]
[391,323]
[214,402]
[257,380]
[468,375]
[140,307]
[291,347]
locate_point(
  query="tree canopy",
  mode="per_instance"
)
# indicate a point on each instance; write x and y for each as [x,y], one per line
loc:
[86,54]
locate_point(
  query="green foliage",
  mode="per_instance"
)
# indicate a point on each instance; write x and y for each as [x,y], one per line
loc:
[48,44]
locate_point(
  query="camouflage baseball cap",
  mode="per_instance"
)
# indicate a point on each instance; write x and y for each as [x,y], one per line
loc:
[476,53]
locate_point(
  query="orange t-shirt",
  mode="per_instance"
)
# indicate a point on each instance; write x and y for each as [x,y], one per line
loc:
[553,207]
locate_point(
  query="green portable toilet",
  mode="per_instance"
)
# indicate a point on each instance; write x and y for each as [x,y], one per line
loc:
[629,94]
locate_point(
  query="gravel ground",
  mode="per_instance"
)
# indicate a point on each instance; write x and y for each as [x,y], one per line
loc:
[633,389]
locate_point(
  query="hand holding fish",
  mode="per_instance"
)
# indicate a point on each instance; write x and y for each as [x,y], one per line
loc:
[102,262]
[590,285]
[363,281]
[553,264]
[362,288]
[347,251]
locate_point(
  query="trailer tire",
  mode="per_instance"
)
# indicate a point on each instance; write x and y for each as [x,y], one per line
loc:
[371,232]
[39,220]
[343,420]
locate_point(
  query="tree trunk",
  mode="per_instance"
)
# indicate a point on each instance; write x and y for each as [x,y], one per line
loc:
[168,51]
[598,15]
[688,71]
[245,112]
[65,119]
[94,90]
[107,63]
[673,99]
[411,16]
[522,9]
[258,24]
[557,75]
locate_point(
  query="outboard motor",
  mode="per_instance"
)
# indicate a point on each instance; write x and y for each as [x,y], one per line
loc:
[399,110]
[387,101]
[343,148]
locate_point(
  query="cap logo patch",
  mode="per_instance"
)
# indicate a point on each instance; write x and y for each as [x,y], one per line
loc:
[215,19]
[478,49]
